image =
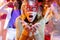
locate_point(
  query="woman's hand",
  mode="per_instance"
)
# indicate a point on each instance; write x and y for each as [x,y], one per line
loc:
[25,25]
[35,27]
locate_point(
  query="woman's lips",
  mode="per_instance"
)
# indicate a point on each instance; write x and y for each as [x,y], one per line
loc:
[30,16]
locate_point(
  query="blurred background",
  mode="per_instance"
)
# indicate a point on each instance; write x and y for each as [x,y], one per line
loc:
[16,6]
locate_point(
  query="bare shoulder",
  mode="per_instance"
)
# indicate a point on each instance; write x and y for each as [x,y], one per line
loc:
[18,18]
[17,21]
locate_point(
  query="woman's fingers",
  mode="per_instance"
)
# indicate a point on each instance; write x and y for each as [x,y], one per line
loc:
[35,27]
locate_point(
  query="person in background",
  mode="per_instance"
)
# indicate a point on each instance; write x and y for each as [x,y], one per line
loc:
[15,13]
[11,25]
[55,7]
[54,17]
[5,12]
[49,25]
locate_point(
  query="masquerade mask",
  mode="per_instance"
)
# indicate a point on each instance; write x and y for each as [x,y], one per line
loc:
[31,6]
[31,9]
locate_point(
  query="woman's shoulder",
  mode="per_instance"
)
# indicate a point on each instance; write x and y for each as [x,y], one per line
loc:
[18,18]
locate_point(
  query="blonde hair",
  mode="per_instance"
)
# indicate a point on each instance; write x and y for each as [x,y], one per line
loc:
[22,16]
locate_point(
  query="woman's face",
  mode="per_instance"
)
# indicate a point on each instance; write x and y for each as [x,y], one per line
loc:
[31,11]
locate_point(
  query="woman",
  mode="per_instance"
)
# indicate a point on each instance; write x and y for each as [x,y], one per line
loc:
[30,25]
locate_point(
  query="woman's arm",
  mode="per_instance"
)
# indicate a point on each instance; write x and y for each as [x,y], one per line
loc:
[18,28]
[3,6]
[22,29]
[8,10]
[48,15]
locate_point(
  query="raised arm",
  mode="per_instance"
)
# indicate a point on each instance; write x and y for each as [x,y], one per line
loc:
[48,15]
[3,6]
